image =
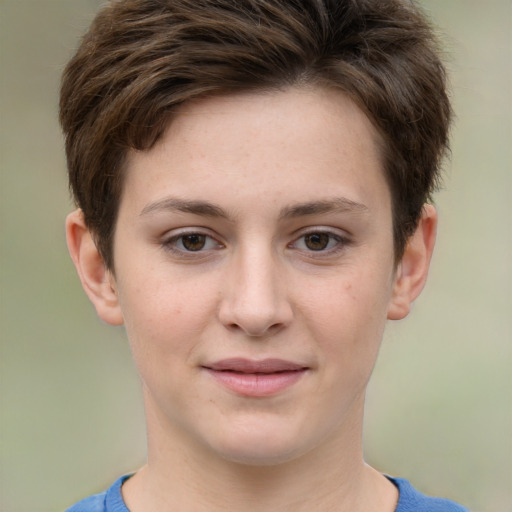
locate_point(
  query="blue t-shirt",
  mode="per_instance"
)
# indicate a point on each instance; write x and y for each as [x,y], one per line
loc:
[410,500]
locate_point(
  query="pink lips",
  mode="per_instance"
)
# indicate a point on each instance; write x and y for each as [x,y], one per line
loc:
[256,378]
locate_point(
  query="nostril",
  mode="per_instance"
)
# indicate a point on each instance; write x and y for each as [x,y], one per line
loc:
[254,305]
[255,330]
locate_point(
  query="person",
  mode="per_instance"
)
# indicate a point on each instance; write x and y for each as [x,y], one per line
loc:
[254,186]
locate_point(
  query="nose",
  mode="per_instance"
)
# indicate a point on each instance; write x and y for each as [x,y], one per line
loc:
[254,299]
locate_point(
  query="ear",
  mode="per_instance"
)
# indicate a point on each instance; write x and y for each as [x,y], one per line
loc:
[411,273]
[97,281]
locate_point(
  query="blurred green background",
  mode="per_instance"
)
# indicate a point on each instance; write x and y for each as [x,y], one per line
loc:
[440,404]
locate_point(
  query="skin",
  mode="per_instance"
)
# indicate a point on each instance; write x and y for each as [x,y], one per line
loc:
[291,226]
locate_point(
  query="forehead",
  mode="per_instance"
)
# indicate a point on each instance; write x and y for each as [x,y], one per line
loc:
[300,141]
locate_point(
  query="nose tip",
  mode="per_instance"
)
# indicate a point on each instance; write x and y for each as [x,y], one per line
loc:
[254,323]
[255,303]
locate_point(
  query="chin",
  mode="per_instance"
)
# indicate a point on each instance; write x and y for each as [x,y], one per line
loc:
[260,444]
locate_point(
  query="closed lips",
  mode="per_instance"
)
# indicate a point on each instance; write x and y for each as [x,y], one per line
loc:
[248,378]
[264,366]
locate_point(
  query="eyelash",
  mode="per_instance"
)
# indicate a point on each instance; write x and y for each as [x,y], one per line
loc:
[340,243]
[171,243]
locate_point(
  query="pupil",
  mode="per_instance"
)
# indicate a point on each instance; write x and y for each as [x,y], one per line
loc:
[317,241]
[194,242]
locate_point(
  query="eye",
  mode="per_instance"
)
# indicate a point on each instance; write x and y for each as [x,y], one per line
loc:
[320,241]
[317,241]
[191,242]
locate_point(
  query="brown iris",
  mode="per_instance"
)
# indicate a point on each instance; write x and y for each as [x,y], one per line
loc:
[193,242]
[317,241]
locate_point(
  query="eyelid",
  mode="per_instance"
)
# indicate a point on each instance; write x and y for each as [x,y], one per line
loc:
[168,241]
[343,240]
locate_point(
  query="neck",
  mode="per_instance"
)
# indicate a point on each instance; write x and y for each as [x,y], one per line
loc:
[180,475]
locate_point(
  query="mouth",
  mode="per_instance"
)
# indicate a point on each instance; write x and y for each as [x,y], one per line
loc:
[256,378]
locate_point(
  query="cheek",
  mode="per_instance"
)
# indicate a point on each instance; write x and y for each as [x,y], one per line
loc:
[348,314]
[164,317]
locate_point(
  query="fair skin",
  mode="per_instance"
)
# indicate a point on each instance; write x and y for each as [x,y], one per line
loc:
[254,274]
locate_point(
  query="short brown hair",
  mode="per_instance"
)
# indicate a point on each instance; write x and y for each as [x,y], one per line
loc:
[142,58]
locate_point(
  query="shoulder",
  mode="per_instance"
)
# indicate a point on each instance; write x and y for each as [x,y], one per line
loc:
[94,503]
[411,500]
[109,501]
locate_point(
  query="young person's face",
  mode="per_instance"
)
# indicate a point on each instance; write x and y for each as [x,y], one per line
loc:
[254,272]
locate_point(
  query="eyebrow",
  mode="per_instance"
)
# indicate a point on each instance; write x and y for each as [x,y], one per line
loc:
[334,205]
[203,208]
[207,209]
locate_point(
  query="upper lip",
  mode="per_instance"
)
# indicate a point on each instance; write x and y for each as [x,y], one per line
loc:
[251,366]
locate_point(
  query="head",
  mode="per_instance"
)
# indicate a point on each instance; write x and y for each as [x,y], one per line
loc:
[142,59]
[249,174]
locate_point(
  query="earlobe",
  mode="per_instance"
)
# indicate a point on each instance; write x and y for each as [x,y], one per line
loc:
[412,271]
[97,281]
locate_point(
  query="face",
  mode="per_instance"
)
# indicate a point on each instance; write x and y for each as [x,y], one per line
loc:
[254,271]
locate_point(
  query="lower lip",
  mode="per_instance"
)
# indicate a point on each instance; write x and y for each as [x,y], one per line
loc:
[257,384]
